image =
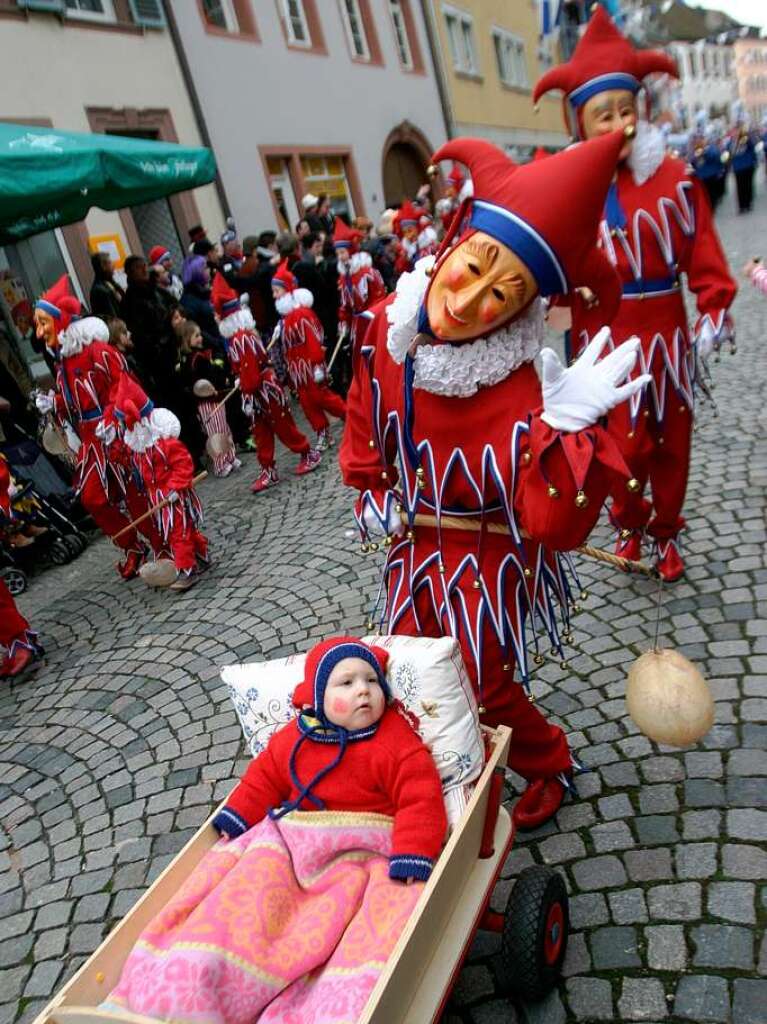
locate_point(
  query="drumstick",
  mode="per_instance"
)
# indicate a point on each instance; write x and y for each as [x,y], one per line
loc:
[223,401]
[155,508]
[476,525]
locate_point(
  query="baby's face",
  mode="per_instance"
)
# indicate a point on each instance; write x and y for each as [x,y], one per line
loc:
[353,696]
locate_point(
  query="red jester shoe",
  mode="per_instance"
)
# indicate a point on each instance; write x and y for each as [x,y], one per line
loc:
[669,562]
[539,802]
[267,478]
[629,545]
[14,664]
[308,462]
[133,561]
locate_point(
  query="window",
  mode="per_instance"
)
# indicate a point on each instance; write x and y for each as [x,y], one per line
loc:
[400,34]
[460,36]
[327,175]
[220,14]
[510,58]
[90,10]
[355,29]
[295,23]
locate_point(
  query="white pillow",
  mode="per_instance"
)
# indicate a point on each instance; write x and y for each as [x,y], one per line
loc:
[427,675]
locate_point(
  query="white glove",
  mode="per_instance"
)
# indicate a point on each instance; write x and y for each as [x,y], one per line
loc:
[13,490]
[106,432]
[394,525]
[343,330]
[44,401]
[319,374]
[576,397]
[173,496]
[706,340]
[72,439]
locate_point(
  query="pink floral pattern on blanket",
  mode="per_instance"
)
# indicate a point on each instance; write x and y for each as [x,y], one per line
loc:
[291,922]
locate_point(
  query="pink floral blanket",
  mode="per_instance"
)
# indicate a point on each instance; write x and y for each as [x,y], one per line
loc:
[291,922]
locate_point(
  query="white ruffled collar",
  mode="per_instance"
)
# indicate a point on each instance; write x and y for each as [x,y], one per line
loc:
[81,333]
[458,370]
[647,152]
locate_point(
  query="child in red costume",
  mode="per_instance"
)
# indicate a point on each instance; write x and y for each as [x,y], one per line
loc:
[263,397]
[18,643]
[350,749]
[449,424]
[301,336]
[88,371]
[656,225]
[167,471]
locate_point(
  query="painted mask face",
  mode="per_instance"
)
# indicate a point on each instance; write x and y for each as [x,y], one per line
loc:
[410,233]
[342,256]
[480,286]
[45,329]
[608,111]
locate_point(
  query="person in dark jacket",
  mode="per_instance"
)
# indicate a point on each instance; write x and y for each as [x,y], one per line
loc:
[145,309]
[195,301]
[106,294]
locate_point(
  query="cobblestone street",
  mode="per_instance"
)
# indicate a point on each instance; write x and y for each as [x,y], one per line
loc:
[120,745]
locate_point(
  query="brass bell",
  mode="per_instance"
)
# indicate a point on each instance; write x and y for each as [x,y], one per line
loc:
[364,549]
[630,130]
[563,665]
[682,408]
[507,667]
[482,709]
[633,485]
[584,595]
[399,509]
[630,435]
[429,270]
[476,584]
[661,440]
[581,500]
[553,492]
[569,638]
[410,535]
[442,568]
[625,534]
[387,541]
[373,546]
[527,458]
[371,443]
[527,571]
[535,108]
[531,698]
[538,659]
[576,608]
[369,624]
[646,413]
[384,475]
[432,170]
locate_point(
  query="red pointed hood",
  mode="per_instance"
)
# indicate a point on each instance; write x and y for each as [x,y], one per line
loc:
[131,403]
[547,211]
[60,303]
[408,216]
[284,277]
[456,177]
[345,237]
[603,59]
[224,298]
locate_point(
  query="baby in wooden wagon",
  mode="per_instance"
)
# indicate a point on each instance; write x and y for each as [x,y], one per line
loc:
[293,917]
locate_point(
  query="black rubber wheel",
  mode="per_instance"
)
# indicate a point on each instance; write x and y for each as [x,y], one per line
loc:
[59,552]
[74,544]
[15,579]
[535,932]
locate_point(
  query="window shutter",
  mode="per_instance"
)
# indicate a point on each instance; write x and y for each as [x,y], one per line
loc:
[43,5]
[148,13]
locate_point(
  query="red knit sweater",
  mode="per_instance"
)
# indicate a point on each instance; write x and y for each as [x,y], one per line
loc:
[391,772]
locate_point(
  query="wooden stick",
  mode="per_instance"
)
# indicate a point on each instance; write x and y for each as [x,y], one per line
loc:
[223,401]
[475,525]
[336,350]
[155,508]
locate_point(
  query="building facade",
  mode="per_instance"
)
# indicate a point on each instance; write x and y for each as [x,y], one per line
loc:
[334,97]
[706,83]
[751,74]
[90,66]
[491,57]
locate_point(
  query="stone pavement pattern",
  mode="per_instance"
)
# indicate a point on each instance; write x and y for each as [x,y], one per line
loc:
[116,751]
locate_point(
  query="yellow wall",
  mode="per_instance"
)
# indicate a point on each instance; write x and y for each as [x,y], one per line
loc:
[494,108]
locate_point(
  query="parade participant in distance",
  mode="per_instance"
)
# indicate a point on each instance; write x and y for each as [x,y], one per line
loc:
[475,472]
[657,224]
[301,338]
[88,370]
[263,398]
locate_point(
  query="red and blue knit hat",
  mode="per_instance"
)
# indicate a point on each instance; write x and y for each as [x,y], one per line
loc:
[321,661]
[59,302]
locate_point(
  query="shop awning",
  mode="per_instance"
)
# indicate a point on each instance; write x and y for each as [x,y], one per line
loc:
[50,178]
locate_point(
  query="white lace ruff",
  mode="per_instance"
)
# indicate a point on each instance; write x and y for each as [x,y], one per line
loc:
[81,333]
[240,320]
[647,152]
[292,300]
[360,260]
[458,370]
[160,424]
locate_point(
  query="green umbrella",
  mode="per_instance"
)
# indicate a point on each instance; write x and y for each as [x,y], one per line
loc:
[50,178]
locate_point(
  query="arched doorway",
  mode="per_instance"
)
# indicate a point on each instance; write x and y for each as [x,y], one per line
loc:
[406,155]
